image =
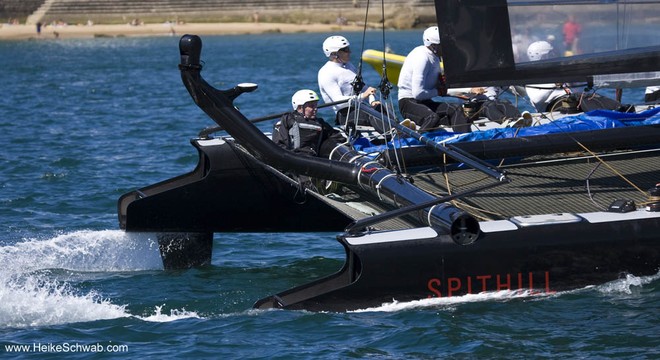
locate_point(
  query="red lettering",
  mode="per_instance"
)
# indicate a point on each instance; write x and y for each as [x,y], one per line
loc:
[531,285]
[547,282]
[507,285]
[432,287]
[483,279]
[453,284]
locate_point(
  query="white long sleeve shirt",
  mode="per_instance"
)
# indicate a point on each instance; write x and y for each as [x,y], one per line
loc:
[419,75]
[335,82]
[651,89]
[542,95]
[491,92]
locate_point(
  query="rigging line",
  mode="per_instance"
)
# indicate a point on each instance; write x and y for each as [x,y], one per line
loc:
[396,137]
[391,131]
[616,172]
[513,91]
[385,85]
[588,185]
[357,83]
[387,126]
[446,174]
[573,158]
[464,206]
[456,202]
[461,204]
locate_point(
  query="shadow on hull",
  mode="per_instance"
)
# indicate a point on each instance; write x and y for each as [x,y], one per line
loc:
[415,264]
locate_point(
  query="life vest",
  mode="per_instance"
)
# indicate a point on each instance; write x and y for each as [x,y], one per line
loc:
[305,135]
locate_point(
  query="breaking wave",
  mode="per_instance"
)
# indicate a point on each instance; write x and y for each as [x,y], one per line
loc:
[30,297]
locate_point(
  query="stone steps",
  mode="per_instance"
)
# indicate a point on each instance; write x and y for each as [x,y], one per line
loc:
[190,10]
[19,9]
[159,6]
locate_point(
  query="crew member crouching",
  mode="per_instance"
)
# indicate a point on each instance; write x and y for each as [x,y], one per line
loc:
[301,131]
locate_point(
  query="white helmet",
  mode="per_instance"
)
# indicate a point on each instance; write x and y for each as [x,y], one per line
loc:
[334,43]
[301,97]
[431,36]
[539,50]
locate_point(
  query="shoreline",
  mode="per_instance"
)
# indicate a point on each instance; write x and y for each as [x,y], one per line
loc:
[29,32]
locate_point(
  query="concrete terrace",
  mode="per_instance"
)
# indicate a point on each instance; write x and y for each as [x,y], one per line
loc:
[399,14]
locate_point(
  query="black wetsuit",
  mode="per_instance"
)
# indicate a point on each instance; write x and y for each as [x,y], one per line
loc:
[295,132]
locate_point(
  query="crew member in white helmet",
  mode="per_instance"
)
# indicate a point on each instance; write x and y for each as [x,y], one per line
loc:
[335,84]
[546,97]
[420,81]
[300,130]
[652,94]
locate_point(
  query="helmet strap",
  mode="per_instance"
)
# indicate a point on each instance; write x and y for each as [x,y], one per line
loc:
[334,57]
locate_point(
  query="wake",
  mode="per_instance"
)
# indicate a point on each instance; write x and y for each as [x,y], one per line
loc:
[102,251]
[628,285]
[29,297]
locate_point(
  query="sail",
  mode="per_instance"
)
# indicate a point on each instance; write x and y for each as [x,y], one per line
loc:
[602,42]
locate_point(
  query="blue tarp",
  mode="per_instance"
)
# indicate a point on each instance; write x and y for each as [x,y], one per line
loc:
[593,120]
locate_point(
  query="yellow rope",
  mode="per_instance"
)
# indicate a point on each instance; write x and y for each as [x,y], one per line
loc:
[652,199]
[611,168]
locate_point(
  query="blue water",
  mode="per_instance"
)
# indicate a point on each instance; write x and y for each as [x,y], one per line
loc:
[84,121]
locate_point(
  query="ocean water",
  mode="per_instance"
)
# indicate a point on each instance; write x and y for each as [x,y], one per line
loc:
[84,121]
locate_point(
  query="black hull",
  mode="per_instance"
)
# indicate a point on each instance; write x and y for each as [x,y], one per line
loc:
[540,259]
[246,184]
[229,191]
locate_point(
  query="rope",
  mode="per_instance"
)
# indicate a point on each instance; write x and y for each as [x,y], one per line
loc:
[615,171]
[385,85]
[387,105]
[652,200]
[357,83]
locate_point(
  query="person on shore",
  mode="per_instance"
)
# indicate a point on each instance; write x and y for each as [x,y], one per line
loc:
[301,131]
[571,31]
[560,97]
[420,81]
[336,78]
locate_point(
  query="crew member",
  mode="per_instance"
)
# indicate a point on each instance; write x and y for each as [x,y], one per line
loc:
[336,80]
[544,96]
[301,131]
[652,94]
[421,80]
[552,97]
[486,102]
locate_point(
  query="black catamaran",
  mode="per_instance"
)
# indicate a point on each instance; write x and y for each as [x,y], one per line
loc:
[545,212]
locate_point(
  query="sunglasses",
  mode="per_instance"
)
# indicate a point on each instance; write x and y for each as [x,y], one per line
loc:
[345,49]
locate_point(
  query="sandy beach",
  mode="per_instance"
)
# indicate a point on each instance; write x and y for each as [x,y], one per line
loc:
[26,32]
